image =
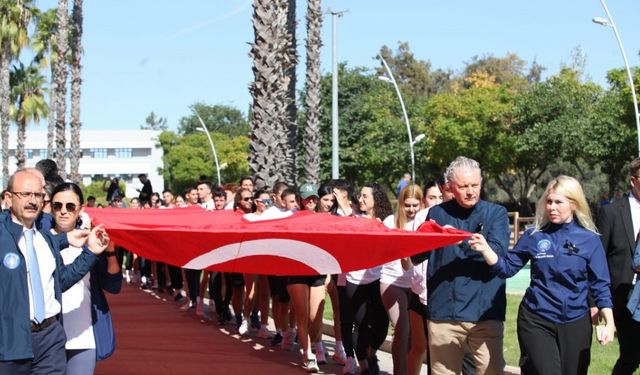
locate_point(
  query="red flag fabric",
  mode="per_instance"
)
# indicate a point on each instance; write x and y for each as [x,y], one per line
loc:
[305,243]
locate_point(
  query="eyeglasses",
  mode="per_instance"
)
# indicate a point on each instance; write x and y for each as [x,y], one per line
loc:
[28,194]
[57,206]
[267,202]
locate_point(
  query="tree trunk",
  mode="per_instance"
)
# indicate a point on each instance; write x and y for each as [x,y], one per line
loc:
[269,90]
[312,98]
[51,127]
[5,59]
[22,136]
[291,126]
[60,78]
[76,83]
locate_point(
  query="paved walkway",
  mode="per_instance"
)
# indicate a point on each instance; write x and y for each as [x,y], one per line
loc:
[155,337]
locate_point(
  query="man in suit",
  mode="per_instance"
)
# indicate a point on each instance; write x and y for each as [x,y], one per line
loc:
[619,225]
[32,279]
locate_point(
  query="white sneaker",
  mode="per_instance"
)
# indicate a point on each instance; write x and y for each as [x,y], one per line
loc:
[127,276]
[320,353]
[244,327]
[350,366]
[311,365]
[263,332]
[188,305]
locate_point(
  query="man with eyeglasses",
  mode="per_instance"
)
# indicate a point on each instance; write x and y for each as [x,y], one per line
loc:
[619,226]
[32,279]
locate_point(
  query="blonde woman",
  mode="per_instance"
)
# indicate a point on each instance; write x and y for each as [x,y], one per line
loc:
[395,282]
[567,264]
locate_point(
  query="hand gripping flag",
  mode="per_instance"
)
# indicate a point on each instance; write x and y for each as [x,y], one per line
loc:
[305,243]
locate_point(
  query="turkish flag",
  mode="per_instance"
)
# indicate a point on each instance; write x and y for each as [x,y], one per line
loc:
[305,243]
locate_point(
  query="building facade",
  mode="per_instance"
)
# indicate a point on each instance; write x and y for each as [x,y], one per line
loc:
[105,154]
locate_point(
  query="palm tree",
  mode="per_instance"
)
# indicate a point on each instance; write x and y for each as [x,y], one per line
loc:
[15,16]
[60,78]
[311,140]
[290,141]
[43,43]
[76,82]
[28,104]
[269,120]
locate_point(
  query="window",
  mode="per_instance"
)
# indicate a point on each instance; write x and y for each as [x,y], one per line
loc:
[99,153]
[28,153]
[43,153]
[123,152]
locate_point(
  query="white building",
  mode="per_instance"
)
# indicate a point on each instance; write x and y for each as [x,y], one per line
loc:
[105,154]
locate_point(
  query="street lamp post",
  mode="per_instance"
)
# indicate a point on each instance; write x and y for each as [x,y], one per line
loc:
[213,148]
[609,22]
[390,78]
[335,145]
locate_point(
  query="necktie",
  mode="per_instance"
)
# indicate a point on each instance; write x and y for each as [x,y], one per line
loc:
[37,293]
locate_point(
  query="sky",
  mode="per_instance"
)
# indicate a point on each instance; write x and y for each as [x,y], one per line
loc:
[162,56]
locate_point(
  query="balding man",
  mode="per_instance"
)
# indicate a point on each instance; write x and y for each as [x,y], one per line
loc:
[32,279]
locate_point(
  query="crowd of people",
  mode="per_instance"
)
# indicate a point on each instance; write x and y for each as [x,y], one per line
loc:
[446,307]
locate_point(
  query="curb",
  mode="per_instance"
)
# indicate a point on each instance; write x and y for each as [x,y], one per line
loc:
[327,329]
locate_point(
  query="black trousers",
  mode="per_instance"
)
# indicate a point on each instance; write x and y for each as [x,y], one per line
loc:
[193,283]
[175,273]
[369,319]
[215,288]
[547,348]
[628,331]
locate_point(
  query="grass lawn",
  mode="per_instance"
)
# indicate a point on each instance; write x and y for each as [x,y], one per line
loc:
[602,357]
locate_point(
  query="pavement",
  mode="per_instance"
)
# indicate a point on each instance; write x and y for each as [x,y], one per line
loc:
[155,337]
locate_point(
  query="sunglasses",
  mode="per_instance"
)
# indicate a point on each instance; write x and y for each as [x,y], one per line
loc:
[247,199]
[57,206]
[267,202]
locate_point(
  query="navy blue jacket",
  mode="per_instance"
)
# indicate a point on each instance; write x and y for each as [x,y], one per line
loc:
[460,284]
[15,326]
[567,262]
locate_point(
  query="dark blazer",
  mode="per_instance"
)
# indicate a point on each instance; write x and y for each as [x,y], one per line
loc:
[15,326]
[616,228]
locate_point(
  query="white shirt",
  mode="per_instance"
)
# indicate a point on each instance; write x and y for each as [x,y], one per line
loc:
[363,277]
[76,307]
[392,272]
[208,205]
[419,277]
[47,265]
[635,214]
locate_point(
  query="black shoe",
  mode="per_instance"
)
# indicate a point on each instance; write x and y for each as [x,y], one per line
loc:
[179,298]
[372,365]
[277,339]
[160,291]
[255,320]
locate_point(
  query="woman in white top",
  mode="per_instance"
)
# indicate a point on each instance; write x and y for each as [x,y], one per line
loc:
[395,281]
[418,299]
[370,321]
[87,322]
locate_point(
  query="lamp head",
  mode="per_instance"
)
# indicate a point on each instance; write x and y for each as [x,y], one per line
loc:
[601,21]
